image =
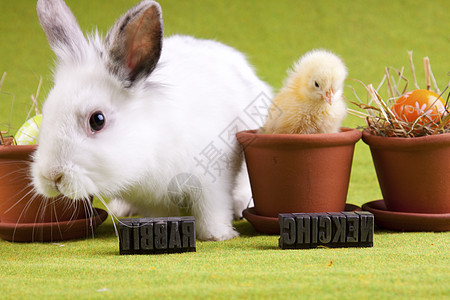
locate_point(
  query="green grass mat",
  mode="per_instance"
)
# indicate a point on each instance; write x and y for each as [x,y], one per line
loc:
[400,265]
[368,35]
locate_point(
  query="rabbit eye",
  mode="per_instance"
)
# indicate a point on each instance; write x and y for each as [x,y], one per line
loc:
[316,84]
[97,121]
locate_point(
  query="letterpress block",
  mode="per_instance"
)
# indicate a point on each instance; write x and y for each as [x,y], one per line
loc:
[314,225]
[134,220]
[324,230]
[125,238]
[188,237]
[303,230]
[174,238]
[287,231]
[352,236]
[366,228]
[146,237]
[127,221]
[160,235]
[338,229]
[136,237]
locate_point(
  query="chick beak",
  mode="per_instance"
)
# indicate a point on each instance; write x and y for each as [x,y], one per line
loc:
[329,96]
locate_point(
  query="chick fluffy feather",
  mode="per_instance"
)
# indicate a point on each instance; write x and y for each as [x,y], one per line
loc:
[311,99]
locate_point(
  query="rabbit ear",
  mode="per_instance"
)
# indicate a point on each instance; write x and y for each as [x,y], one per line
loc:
[63,32]
[134,43]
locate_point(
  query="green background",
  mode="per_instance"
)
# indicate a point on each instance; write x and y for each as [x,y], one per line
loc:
[368,35]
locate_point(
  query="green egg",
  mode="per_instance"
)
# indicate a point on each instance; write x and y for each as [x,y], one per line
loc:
[29,132]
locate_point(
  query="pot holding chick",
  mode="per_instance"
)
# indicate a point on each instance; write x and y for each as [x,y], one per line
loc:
[300,160]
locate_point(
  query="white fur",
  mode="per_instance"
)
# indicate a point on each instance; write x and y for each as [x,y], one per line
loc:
[154,131]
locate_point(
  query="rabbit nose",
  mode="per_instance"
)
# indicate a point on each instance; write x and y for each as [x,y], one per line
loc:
[56,178]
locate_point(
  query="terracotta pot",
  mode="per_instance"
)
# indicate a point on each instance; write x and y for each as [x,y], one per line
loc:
[18,202]
[412,172]
[295,173]
[22,209]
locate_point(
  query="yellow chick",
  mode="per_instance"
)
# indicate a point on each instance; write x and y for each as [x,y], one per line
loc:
[311,100]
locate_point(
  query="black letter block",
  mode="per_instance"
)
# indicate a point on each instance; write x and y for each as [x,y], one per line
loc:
[366,227]
[338,226]
[174,234]
[160,235]
[333,229]
[352,236]
[156,235]
[129,235]
[125,235]
[314,229]
[146,238]
[135,229]
[303,222]
[287,231]
[188,234]
[324,230]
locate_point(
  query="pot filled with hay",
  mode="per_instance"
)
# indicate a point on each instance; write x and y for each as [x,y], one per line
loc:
[409,139]
[26,216]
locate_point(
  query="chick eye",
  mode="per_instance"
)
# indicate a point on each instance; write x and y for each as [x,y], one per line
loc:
[316,84]
[97,121]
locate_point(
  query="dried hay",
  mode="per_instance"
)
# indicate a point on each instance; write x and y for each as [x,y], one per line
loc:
[382,121]
[5,136]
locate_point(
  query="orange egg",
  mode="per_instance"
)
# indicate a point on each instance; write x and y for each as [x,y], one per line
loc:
[419,104]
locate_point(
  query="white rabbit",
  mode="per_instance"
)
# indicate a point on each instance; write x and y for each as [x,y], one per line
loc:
[134,114]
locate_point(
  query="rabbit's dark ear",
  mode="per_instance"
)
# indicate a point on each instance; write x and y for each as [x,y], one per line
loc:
[134,43]
[63,32]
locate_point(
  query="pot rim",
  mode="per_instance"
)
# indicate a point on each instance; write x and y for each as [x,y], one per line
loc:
[347,136]
[16,148]
[397,143]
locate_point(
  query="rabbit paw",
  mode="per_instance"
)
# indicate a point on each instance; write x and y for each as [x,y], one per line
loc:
[216,232]
[120,208]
